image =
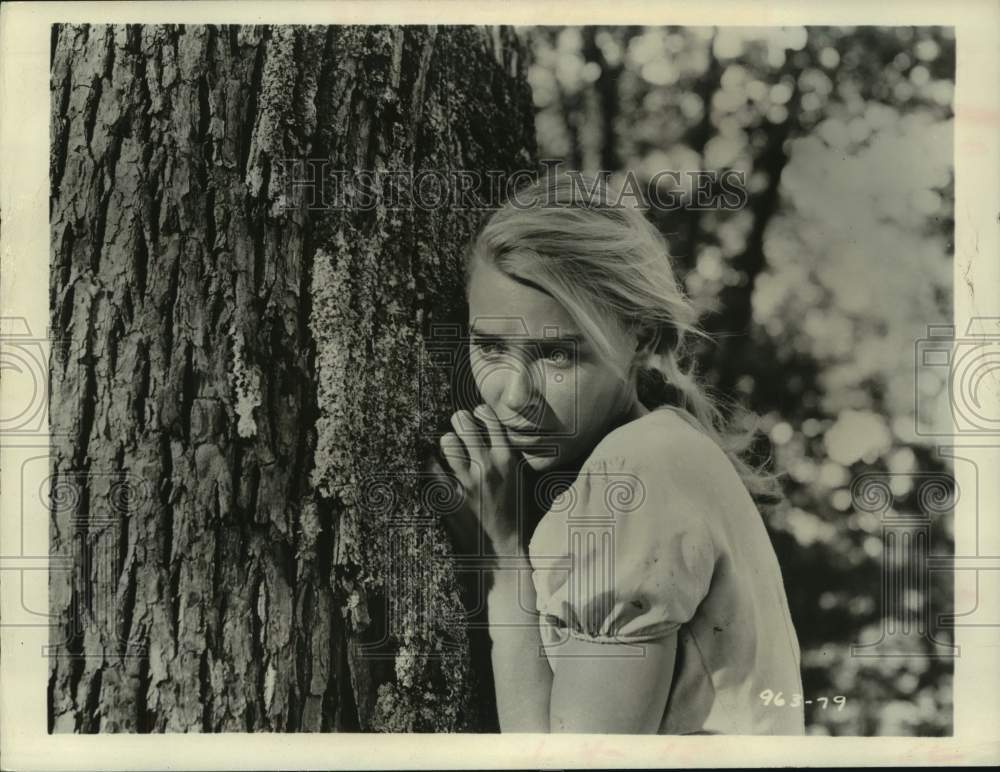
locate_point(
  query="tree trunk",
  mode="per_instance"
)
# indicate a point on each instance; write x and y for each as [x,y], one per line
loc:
[241,380]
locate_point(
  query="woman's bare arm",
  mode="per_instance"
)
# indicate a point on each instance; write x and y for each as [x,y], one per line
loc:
[521,672]
[611,688]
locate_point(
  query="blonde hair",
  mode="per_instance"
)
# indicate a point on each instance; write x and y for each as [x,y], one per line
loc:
[578,238]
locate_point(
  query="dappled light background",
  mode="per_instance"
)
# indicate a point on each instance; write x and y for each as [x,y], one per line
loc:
[818,290]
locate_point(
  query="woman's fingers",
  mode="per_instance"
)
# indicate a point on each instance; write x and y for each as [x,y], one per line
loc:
[453,451]
[433,466]
[499,445]
[472,439]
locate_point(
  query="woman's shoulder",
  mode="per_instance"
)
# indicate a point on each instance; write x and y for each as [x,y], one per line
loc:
[666,444]
[658,475]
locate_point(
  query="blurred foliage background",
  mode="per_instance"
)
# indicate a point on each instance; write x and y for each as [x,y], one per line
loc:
[817,290]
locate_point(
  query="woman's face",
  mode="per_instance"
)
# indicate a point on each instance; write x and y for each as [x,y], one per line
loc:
[539,374]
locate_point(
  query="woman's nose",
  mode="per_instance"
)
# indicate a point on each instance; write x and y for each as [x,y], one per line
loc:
[519,387]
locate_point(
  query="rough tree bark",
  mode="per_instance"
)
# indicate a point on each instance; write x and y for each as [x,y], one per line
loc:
[235,406]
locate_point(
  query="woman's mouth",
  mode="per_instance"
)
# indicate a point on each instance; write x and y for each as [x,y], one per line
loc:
[526,435]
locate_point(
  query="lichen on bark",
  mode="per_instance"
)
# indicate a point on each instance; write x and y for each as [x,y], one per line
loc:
[381,278]
[265,368]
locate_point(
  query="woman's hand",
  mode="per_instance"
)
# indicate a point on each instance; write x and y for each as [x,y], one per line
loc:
[484,466]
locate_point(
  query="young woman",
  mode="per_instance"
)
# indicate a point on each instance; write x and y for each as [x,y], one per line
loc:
[649,598]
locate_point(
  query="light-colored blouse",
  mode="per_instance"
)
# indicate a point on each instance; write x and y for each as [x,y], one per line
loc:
[624,556]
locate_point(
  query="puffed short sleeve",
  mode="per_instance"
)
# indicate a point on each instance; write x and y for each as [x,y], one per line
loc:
[620,556]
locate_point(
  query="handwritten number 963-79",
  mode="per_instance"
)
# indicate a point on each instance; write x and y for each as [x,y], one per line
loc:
[778,700]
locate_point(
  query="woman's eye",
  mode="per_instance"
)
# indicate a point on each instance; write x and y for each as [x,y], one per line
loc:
[490,348]
[558,357]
